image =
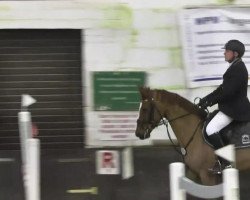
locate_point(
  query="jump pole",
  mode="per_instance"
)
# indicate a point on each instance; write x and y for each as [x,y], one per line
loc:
[231,184]
[33,169]
[25,133]
[180,185]
[177,171]
[30,152]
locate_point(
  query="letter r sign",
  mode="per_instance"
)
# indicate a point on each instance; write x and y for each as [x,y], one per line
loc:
[107,162]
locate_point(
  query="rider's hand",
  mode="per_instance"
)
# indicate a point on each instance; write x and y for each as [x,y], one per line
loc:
[203,103]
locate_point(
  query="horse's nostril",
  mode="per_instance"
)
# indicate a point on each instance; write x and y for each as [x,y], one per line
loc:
[137,134]
[141,137]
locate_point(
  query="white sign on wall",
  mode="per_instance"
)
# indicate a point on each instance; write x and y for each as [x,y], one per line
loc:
[107,162]
[116,125]
[204,33]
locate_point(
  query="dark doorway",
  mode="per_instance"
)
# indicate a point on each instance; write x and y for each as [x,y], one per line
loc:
[46,64]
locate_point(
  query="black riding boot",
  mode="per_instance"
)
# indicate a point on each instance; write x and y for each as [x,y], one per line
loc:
[221,163]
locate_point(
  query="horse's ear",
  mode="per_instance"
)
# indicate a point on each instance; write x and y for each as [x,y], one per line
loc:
[140,88]
[144,91]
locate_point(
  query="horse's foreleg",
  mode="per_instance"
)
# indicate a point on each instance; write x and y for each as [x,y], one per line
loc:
[193,176]
[208,178]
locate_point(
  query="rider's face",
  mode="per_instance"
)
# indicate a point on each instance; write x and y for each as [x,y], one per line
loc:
[229,55]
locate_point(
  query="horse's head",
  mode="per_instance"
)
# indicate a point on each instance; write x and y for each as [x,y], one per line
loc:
[149,115]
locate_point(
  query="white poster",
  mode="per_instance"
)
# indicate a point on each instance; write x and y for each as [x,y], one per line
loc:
[117,125]
[204,33]
[107,162]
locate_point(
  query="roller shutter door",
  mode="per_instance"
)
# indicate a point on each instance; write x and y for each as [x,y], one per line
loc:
[47,65]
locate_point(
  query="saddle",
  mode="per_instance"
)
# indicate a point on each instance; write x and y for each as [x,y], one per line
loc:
[237,132]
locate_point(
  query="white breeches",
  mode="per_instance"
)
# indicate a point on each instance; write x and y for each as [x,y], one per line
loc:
[219,121]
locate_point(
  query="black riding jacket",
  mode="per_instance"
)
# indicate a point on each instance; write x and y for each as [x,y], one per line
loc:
[231,95]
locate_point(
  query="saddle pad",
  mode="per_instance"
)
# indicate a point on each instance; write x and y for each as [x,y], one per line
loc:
[237,133]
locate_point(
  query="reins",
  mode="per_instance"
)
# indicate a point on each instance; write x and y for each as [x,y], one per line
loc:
[165,122]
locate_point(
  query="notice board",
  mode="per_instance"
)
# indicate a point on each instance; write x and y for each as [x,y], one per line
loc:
[117,91]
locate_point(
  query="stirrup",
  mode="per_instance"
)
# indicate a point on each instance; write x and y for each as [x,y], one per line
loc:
[217,168]
[228,166]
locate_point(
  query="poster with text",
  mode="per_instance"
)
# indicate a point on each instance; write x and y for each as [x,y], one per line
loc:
[204,32]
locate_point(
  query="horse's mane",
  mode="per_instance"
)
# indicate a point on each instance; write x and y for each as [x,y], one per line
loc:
[172,98]
[189,106]
[184,103]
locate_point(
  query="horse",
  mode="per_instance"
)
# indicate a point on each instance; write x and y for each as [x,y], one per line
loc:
[186,121]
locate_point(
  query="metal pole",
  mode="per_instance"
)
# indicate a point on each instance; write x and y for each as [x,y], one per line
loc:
[231,184]
[176,171]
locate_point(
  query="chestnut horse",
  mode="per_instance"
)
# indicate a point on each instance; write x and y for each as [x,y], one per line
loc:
[186,121]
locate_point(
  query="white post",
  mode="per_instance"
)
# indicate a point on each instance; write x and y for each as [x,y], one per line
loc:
[33,169]
[30,151]
[231,184]
[25,132]
[25,129]
[176,171]
[127,163]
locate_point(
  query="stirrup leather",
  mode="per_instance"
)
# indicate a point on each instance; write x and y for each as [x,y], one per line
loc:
[219,167]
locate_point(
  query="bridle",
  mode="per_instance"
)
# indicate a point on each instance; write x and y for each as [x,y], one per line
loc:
[163,121]
[150,121]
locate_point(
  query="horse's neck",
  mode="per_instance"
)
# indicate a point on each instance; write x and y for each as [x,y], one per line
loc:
[183,124]
[182,118]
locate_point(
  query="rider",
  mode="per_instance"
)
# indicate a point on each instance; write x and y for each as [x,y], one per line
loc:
[231,97]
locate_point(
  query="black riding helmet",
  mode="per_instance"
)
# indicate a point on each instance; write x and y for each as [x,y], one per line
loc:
[235,45]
